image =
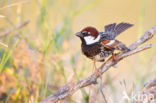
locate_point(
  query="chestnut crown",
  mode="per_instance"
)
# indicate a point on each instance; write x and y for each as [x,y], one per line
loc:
[88,31]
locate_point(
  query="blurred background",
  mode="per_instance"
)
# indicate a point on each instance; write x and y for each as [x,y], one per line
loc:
[39,50]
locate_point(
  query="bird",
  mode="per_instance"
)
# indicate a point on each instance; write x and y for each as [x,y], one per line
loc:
[100,45]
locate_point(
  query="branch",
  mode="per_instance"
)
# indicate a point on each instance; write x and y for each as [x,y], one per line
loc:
[148,92]
[71,87]
[5,33]
[14,4]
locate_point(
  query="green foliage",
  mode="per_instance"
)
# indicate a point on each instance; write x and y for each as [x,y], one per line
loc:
[6,57]
[42,55]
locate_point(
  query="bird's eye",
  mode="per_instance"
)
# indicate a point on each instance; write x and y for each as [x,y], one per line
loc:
[89,33]
[86,33]
[83,32]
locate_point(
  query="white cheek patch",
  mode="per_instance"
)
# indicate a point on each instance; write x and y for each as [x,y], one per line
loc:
[111,42]
[91,40]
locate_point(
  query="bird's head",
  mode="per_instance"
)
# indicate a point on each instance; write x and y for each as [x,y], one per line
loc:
[88,31]
[89,35]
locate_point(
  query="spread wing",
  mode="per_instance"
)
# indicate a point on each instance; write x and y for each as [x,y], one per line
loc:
[113,30]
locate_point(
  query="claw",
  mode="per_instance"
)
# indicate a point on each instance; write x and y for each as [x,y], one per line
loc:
[114,57]
[115,60]
[98,73]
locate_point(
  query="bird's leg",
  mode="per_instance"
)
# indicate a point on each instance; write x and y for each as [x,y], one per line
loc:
[114,57]
[97,70]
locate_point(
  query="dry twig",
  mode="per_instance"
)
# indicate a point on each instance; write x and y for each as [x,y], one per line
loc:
[69,88]
[148,93]
[14,4]
[5,33]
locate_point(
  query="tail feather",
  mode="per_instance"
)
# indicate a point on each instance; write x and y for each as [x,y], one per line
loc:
[115,29]
[120,46]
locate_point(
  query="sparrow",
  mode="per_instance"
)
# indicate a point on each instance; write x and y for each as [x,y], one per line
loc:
[99,45]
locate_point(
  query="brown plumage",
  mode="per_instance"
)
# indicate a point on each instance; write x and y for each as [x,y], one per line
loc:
[93,31]
[99,45]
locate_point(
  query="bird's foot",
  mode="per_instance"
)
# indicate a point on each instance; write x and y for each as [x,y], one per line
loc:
[98,73]
[114,57]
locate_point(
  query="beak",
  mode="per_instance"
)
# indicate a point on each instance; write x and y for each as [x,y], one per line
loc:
[79,34]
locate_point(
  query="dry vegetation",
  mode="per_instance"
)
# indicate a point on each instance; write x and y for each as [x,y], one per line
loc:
[39,49]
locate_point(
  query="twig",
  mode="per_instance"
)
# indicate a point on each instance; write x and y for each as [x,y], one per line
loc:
[4,45]
[14,4]
[101,91]
[68,89]
[103,95]
[2,16]
[5,33]
[148,92]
